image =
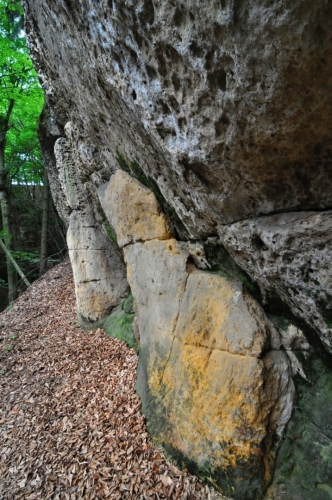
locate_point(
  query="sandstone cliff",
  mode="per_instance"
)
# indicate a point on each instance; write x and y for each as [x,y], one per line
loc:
[189,151]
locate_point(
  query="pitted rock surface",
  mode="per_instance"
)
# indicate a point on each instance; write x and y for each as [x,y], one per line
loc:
[290,256]
[224,108]
[98,266]
[226,105]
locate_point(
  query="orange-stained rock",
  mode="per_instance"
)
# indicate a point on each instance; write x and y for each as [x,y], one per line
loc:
[210,394]
[133,210]
[219,409]
[216,313]
[215,393]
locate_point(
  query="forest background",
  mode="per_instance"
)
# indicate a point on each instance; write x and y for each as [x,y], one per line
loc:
[31,233]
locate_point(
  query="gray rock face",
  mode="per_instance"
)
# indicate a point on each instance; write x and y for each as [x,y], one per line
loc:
[99,272]
[226,105]
[290,256]
[98,267]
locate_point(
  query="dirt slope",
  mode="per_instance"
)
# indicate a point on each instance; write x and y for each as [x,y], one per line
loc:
[70,422]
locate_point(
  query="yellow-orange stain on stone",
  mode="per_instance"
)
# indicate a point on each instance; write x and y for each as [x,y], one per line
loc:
[217,394]
[214,399]
[209,316]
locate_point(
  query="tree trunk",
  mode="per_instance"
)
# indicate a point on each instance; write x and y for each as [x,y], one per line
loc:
[15,264]
[4,202]
[43,243]
[11,274]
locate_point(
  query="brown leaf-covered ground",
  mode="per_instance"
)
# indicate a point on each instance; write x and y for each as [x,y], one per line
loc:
[70,422]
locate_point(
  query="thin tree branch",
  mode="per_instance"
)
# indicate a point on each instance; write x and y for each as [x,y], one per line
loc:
[13,261]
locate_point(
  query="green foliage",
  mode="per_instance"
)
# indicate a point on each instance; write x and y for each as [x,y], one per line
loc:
[20,87]
[21,166]
[9,348]
[4,234]
[26,257]
[128,304]
[3,283]
[110,232]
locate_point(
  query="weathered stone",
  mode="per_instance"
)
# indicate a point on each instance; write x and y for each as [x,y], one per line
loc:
[138,216]
[48,132]
[98,266]
[225,108]
[157,274]
[289,255]
[291,336]
[233,323]
[200,375]
[99,271]
[223,403]
[226,105]
[197,254]
[70,185]
[207,394]
[288,337]
[221,411]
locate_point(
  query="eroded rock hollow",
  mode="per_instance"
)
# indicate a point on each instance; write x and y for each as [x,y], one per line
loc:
[188,146]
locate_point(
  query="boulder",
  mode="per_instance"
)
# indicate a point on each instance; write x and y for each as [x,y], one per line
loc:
[210,394]
[215,394]
[225,105]
[135,205]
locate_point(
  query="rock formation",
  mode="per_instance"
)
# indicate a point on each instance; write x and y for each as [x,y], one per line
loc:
[289,255]
[189,151]
[212,384]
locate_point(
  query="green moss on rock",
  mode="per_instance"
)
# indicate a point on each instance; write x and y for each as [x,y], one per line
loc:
[108,228]
[304,462]
[119,323]
[222,263]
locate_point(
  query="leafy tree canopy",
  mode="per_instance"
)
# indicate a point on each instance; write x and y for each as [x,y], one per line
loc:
[21,99]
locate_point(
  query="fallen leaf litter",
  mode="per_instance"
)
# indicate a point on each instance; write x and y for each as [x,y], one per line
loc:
[70,421]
